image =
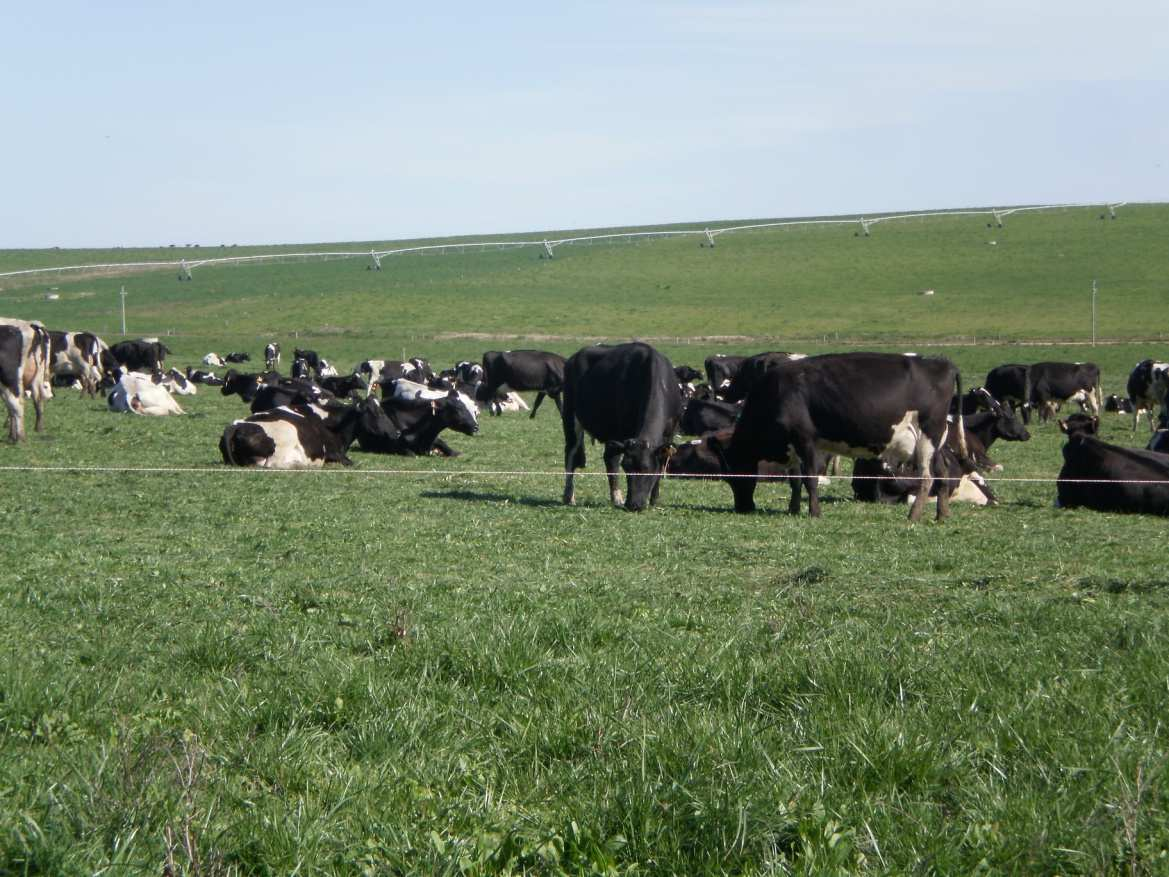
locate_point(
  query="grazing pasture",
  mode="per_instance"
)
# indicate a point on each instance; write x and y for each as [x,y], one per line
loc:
[440,670]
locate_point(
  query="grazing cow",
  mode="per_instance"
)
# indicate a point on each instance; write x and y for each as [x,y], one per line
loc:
[411,426]
[79,355]
[140,394]
[707,415]
[291,438]
[237,358]
[703,457]
[522,370]
[857,404]
[721,370]
[1147,385]
[214,360]
[1011,385]
[627,397]
[752,369]
[143,355]
[1053,383]
[33,367]
[271,355]
[1108,478]
[198,376]
[1115,404]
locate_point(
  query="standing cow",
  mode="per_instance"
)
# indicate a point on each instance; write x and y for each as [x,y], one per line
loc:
[1147,386]
[627,397]
[32,366]
[1053,383]
[522,370]
[881,405]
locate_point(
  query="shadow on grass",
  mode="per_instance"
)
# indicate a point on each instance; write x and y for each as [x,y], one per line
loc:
[480,496]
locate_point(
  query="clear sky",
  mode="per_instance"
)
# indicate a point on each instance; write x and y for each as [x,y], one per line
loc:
[258,122]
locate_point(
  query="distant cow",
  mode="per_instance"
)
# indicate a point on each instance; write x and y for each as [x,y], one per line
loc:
[271,355]
[198,376]
[626,397]
[1147,385]
[1108,478]
[1053,383]
[140,393]
[237,357]
[877,405]
[1011,385]
[523,370]
[1115,404]
[286,393]
[214,360]
[79,355]
[32,364]
[342,386]
[143,355]
[311,358]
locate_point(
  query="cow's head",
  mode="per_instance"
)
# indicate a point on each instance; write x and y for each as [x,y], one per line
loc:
[696,457]
[458,412]
[643,465]
[1080,424]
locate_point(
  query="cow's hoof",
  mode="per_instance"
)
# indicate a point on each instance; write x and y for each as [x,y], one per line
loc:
[744,509]
[618,498]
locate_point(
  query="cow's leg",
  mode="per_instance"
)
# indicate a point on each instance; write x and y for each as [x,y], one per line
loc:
[613,452]
[944,488]
[556,399]
[793,504]
[923,460]
[536,404]
[743,489]
[15,406]
[38,404]
[811,480]
[574,457]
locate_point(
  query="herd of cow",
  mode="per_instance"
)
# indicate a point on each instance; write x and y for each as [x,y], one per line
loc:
[903,418]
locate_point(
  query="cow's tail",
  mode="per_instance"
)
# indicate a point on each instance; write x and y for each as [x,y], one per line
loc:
[960,421]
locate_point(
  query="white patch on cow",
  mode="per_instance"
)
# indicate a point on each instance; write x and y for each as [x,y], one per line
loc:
[289,453]
[512,402]
[326,370]
[794,356]
[905,441]
[214,359]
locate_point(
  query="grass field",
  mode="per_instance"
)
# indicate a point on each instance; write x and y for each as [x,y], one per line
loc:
[434,671]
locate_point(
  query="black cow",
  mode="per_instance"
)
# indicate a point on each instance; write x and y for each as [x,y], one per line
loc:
[705,458]
[285,393]
[12,351]
[627,397]
[522,370]
[1108,478]
[199,376]
[1053,383]
[1159,442]
[311,357]
[858,404]
[237,357]
[1115,404]
[721,370]
[1011,385]
[1080,424]
[143,355]
[412,427]
[301,369]
[245,385]
[1147,385]
[707,415]
[983,428]
[271,355]
[342,385]
[752,369]
[686,374]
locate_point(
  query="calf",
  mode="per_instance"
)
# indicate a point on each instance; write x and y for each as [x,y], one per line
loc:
[1147,384]
[1053,383]
[857,404]
[627,397]
[522,370]
[1108,478]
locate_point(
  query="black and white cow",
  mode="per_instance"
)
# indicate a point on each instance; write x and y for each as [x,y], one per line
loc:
[1011,385]
[12,352]
[707,415]
[721,369]
[198,376]
[1053,383]
[414,424]
[627,397]
[291,438]
[143,355]
[271,355]
[1109,478]
[214,360]
[80,355]
[342,386]
[311,358]
[145,394]
[1115,404]
[752,369]
[522,370]
[237,357]
[880,405]
[1147,386]
[287,393]
[33,366]
[246,386]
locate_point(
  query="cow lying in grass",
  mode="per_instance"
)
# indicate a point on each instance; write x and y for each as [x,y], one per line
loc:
[142,394]
[1109,478]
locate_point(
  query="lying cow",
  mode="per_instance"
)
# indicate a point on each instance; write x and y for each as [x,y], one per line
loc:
[290,438]
[411,427]
[214,360]
[142,394]
[1109,478]
[707,415]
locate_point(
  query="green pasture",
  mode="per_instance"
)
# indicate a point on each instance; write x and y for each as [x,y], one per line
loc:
[413,666]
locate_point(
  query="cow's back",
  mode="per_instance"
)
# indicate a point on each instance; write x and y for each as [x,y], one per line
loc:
[623,392]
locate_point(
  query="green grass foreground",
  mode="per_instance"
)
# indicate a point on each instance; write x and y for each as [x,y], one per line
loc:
[352,672]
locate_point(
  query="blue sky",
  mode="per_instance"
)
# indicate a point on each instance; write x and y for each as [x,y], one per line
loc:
[148,124]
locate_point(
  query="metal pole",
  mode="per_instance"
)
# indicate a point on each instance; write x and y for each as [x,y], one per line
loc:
[123,294]
[1093,313]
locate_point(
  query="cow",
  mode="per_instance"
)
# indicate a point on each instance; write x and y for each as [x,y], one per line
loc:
[237,358]
[326,370]
[12,354]
[686,374]
[1080,424]
[176,382]
[80,355]
[271,355]
[1146,388]
[141,394]
[244,385]
[707,415]
[143,355]
[198,376]
[311,357]
[286,393]
[704,458]
[752,369]
[1011,385]
[880,405]
[214,360]
[393,369]
[343,386]
[1115,404]
[983,428]
[291,438]
[33,364]
[522,370]
[627,397]
[301,370]
[1053,383]
[1108,478]
[721,369]
[411,427]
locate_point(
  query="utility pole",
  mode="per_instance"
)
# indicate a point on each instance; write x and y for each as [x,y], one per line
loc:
[123,294]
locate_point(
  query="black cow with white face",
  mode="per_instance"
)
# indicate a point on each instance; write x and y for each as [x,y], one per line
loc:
[627,397]
[1147,386]
[411,427]
[143,355]
[522,370]
[881,405]
[1053,383]
[1011,385]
